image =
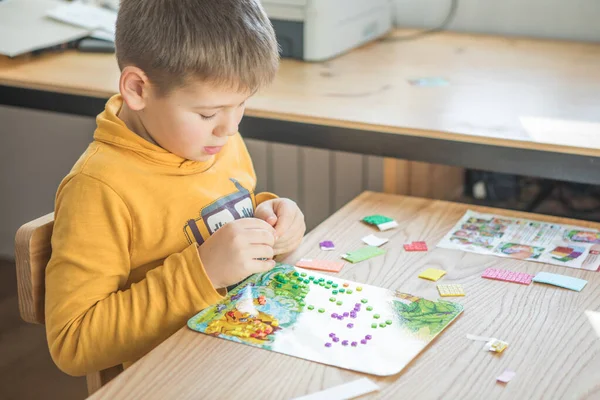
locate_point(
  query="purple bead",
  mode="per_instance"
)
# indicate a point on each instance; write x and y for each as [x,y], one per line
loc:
[340,317]
[344,343]
[357,305]
[346,314]
[334,315]
[332,335]
[353,314]
[327,344]
[336,339]
[354,344]
[368,337]
[350,325]
[364,341]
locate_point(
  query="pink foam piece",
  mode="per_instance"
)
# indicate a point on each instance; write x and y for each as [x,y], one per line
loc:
[507,276]
[416,246]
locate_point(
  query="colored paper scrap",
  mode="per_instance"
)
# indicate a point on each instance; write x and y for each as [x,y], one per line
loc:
[382,222]
[594,318]
[375,241]
[377,219]
[478,338]
[432,274]
[451,290]
[321,265]
[492,344]
[416,246]
[496,345]
[429,82]
[345,391]
[364,253]
[567,282]
[327,245]
[506,376]
[507,276]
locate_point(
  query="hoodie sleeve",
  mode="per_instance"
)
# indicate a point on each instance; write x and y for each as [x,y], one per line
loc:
[93,320]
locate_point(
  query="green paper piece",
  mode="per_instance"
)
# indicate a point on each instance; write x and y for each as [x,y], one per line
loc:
[364,253]
[377,219]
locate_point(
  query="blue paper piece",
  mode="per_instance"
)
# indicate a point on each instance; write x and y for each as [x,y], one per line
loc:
[564,281]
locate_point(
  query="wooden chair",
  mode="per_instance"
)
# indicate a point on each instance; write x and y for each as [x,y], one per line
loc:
[32,253]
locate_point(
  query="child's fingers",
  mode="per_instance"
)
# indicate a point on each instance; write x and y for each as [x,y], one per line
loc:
[262,265]
[262,236]
[253,223]
[288,221]
[261,251]
[287,248]
[266,213]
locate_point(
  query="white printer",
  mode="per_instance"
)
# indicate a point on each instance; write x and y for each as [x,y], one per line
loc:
[316,30]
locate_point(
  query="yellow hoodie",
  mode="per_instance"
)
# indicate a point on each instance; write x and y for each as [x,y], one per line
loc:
[125,273]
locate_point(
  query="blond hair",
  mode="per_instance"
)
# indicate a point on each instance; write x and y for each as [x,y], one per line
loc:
[224,42]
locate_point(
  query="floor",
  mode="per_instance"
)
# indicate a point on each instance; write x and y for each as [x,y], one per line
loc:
[26,369]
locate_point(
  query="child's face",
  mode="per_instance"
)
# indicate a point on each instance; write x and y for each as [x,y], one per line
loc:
[194,122]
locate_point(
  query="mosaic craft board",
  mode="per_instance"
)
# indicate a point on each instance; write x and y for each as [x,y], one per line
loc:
[327,320]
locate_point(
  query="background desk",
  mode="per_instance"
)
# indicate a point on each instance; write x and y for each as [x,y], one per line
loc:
[553,348]
[361,102]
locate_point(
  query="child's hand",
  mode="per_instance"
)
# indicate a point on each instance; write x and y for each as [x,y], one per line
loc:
[288,221]
[234,252]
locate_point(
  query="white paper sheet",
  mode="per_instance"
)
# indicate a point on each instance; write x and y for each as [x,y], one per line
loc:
[25,28]
[345,391]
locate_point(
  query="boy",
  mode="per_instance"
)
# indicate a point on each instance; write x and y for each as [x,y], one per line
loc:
[156,218]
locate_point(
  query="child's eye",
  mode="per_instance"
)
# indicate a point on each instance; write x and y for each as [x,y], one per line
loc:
[207,117]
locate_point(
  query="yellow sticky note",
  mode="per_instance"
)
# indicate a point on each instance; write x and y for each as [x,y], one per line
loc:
[451,290]
[432,274]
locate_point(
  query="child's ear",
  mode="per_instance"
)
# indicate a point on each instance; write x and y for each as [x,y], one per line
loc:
[134,87]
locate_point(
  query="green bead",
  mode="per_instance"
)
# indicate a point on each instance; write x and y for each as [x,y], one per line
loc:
[341,290]
[327,286]
[332,299]
[321,284]
[382,325]
[278,285]
[295,286]
[303,274]
[321,310]
[306,281]
[311,307]
[376,316]
[321,280]
[364,301]
[369,308]
[311,277]
[329,282]
[302,304]
[374,326]
[334,284]
[349,291]
[339,303]
[389,322]
[296,273]
[334,292]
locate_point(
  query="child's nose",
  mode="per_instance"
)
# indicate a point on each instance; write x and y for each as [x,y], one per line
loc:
[226,129]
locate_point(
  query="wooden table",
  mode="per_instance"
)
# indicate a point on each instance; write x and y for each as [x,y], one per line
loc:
[362,102]
[553,348]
